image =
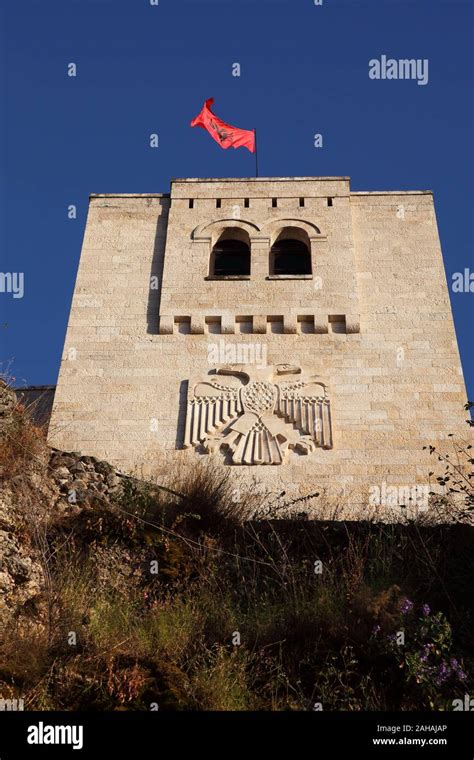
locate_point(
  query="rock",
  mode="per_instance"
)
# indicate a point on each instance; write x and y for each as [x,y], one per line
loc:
[71,485]
[104,468]
[7,517]
[77,468]
[19,569]
[62,460]
[77,492]
[62,473]
[112,480]
[8,401]
[88,460]
[5,582]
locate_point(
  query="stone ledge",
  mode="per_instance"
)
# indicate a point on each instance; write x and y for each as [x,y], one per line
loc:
[260,324]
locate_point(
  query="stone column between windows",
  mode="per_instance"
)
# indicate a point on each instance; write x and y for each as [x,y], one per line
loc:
[259,258]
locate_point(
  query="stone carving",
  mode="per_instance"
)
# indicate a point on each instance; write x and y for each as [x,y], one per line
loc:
[258,413]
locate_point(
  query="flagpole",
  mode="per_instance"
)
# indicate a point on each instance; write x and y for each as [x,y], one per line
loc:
[256,154]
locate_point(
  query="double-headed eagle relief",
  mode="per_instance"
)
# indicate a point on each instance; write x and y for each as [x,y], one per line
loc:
[258,413]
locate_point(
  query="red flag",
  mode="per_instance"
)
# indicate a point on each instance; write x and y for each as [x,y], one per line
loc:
[224,134]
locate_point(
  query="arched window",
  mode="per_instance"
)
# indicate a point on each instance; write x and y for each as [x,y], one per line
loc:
[230,255]
[291,253]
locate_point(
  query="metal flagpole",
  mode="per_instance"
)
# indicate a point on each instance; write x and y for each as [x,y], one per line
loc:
[256,154]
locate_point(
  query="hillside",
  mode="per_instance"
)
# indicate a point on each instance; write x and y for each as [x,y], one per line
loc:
[122,594]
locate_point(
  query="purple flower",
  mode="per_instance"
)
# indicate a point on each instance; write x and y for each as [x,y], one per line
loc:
[425,610]
[443,673]
[461,675]
[406,606]
[425,653]
[375,630]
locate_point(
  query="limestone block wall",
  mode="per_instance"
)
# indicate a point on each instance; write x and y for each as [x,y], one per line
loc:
[103,391]
[391,366]
[411,376]
[201,209]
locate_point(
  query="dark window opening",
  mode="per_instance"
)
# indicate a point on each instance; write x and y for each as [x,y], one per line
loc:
[329,201]
[246,203]
[301,202]
[230,257]
[274,202]
[218,202]
[191,203]
[290,254]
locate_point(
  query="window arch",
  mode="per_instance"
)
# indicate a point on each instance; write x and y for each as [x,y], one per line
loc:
[290,253]
[230,256]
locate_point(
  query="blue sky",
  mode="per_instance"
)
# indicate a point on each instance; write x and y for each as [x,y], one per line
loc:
[145,69]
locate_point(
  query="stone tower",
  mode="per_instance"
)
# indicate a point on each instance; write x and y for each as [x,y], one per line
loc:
[297,331]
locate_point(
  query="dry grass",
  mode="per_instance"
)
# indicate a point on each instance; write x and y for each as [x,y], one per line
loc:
[20,442]
[169,597]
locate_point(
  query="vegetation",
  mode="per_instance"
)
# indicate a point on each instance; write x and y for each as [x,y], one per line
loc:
[166,599]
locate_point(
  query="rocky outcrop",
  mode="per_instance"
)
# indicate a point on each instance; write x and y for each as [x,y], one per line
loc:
[52,486]
[82,481]
[71,483]
[7,404]
[21,574]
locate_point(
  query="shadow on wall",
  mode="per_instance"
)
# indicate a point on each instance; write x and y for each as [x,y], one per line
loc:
[38,402]
[183,403]
[157,264]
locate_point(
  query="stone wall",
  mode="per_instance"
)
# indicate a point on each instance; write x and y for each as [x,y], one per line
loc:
[374,324]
